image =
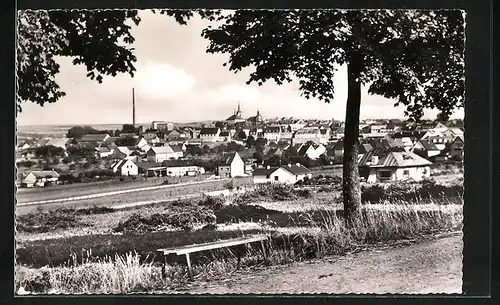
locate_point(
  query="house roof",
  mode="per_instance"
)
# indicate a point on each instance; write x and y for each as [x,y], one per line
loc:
[392,158]
[176,147]
[177,163]
[58,141]
[234,117]
[209,131]
[162,149]
[122,163]
[39,143]
[272,129]
[149,135]
[307,131]
[263,171]
[224,133]
[296,169]
[95,137]
[149,165]
[428,145]
[45,174]
[228,159]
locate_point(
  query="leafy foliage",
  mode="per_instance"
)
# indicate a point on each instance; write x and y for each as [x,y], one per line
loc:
[97,39]
[415,57]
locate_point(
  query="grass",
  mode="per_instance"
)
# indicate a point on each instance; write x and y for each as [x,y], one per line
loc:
[328,235]
[301,226]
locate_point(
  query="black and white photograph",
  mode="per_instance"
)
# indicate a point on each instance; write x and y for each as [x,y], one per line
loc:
[216,151]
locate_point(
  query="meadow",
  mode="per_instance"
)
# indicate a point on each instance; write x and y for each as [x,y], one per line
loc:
[106,250]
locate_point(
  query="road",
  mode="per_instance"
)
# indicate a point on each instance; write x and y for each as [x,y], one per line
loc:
[433,266]
[122,197]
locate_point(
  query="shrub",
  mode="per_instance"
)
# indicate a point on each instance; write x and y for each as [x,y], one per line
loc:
[184,217]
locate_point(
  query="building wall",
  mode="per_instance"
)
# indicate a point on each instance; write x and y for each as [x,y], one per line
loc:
[129,169]
[399,174]
[237,167]
[224,171]
[181,170]
[283,177]
[261,179]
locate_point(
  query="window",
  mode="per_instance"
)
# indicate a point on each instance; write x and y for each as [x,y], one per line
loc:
[276,178]
[406,172]
[384,174]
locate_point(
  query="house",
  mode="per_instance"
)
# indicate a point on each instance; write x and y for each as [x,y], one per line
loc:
[159,125]
[40,178]
[95,139]
[23,145]
[426,149]
[152,169]
[177,168]
[161,153]
[456,149]
[312,150]
[178,150]
[287,174]
[59,142]
[225,136]
[304,135]
[231,166]
[105,151]
[211,134]
[176,135]
[125,167]
[151,138]
[272,133]
[394,164]
[255,120]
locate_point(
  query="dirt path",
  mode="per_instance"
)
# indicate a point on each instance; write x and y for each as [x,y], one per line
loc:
[429,267]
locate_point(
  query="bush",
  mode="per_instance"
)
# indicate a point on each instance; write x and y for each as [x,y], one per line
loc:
[184,217]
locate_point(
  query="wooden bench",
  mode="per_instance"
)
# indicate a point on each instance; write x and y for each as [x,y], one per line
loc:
[170,253]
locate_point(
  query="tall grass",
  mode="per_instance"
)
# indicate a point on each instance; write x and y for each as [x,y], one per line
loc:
[325,235]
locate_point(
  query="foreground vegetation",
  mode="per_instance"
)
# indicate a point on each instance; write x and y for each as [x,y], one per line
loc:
[123,260]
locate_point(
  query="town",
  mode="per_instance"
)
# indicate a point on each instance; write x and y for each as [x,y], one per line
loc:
[283,150]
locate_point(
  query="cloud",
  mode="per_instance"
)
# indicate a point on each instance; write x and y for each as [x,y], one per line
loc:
[162,81]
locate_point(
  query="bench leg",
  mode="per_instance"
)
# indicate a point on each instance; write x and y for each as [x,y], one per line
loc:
[264,253]
[190,270]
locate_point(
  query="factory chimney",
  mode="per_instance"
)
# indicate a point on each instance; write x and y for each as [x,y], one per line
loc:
[133,107]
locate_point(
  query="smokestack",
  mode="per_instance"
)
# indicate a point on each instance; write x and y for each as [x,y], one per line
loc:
[133,106]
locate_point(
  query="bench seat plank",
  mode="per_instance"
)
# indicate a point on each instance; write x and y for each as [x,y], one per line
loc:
[213,245]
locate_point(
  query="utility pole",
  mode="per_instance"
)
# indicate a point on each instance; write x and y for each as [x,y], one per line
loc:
[133,107]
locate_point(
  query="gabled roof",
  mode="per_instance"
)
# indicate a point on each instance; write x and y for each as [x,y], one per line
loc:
[228,159]
[272,129]
[177,163]
[296,169]
[40,143]
[122,163]
[428,145]
[59,142]
[263,171]
[176,148]
[162,149]
[95,137]
[149,165]
[45,174]
[392,158]
[209,131]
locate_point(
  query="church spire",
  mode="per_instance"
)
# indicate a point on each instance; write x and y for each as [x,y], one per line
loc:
[239,110]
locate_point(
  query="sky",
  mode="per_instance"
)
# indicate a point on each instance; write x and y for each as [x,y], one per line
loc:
[177,81]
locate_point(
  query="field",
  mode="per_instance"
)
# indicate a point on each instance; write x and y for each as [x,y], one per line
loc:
[91,250]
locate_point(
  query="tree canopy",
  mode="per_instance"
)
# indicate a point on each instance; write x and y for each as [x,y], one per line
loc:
[98,39]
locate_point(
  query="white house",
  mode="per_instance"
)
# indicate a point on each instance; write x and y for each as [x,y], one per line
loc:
[40,178]
[426,148]
[232,166]
[161,153]
[379,165]
[210,135]
[272,133]
[177,168]
[125,167]
[311,150]
[287,174]
[59,142]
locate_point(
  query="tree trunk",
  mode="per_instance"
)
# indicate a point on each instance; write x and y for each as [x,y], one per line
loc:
[351,189]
